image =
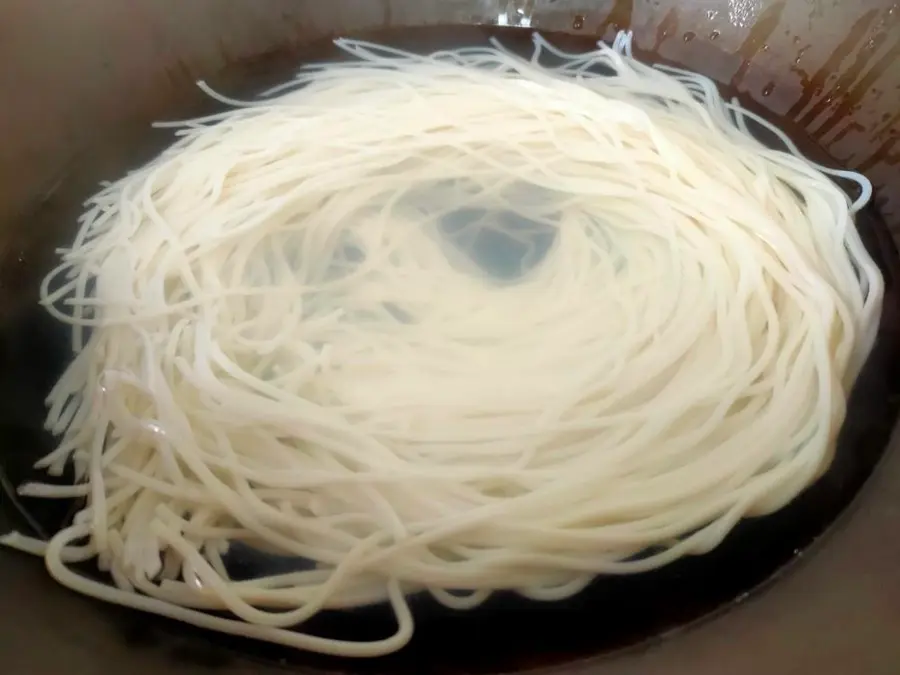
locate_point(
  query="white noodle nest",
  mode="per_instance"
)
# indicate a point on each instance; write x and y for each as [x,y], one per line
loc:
[286,349]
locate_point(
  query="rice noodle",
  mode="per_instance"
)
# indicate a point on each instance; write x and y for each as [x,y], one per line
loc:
[280,339]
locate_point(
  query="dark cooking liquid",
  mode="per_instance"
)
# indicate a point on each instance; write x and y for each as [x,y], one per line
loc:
[507,632]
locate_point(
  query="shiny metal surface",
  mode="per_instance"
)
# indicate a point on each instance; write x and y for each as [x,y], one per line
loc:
[78,72]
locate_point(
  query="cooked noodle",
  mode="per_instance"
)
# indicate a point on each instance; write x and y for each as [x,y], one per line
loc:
[284,336]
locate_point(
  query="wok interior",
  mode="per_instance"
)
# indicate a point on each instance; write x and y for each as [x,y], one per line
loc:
[85,91]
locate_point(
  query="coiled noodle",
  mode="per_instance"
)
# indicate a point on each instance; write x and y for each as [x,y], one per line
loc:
[288,333]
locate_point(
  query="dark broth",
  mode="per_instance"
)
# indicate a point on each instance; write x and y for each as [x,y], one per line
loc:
[507,632]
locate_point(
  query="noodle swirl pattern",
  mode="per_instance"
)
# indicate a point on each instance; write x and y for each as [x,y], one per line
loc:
[284,336]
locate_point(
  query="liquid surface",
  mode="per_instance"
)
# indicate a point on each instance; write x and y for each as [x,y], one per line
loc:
[508,632]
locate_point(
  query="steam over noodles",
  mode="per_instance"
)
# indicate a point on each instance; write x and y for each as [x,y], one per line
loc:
[450,323]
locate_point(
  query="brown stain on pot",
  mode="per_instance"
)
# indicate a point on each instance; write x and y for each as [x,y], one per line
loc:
[757,39]
[621,14]
[890,126]
[883,154]
[845,93]
[852,96]
[667,27]
[815,85]
[852,126]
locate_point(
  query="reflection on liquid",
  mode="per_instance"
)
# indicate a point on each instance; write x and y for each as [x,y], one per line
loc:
[743,13]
